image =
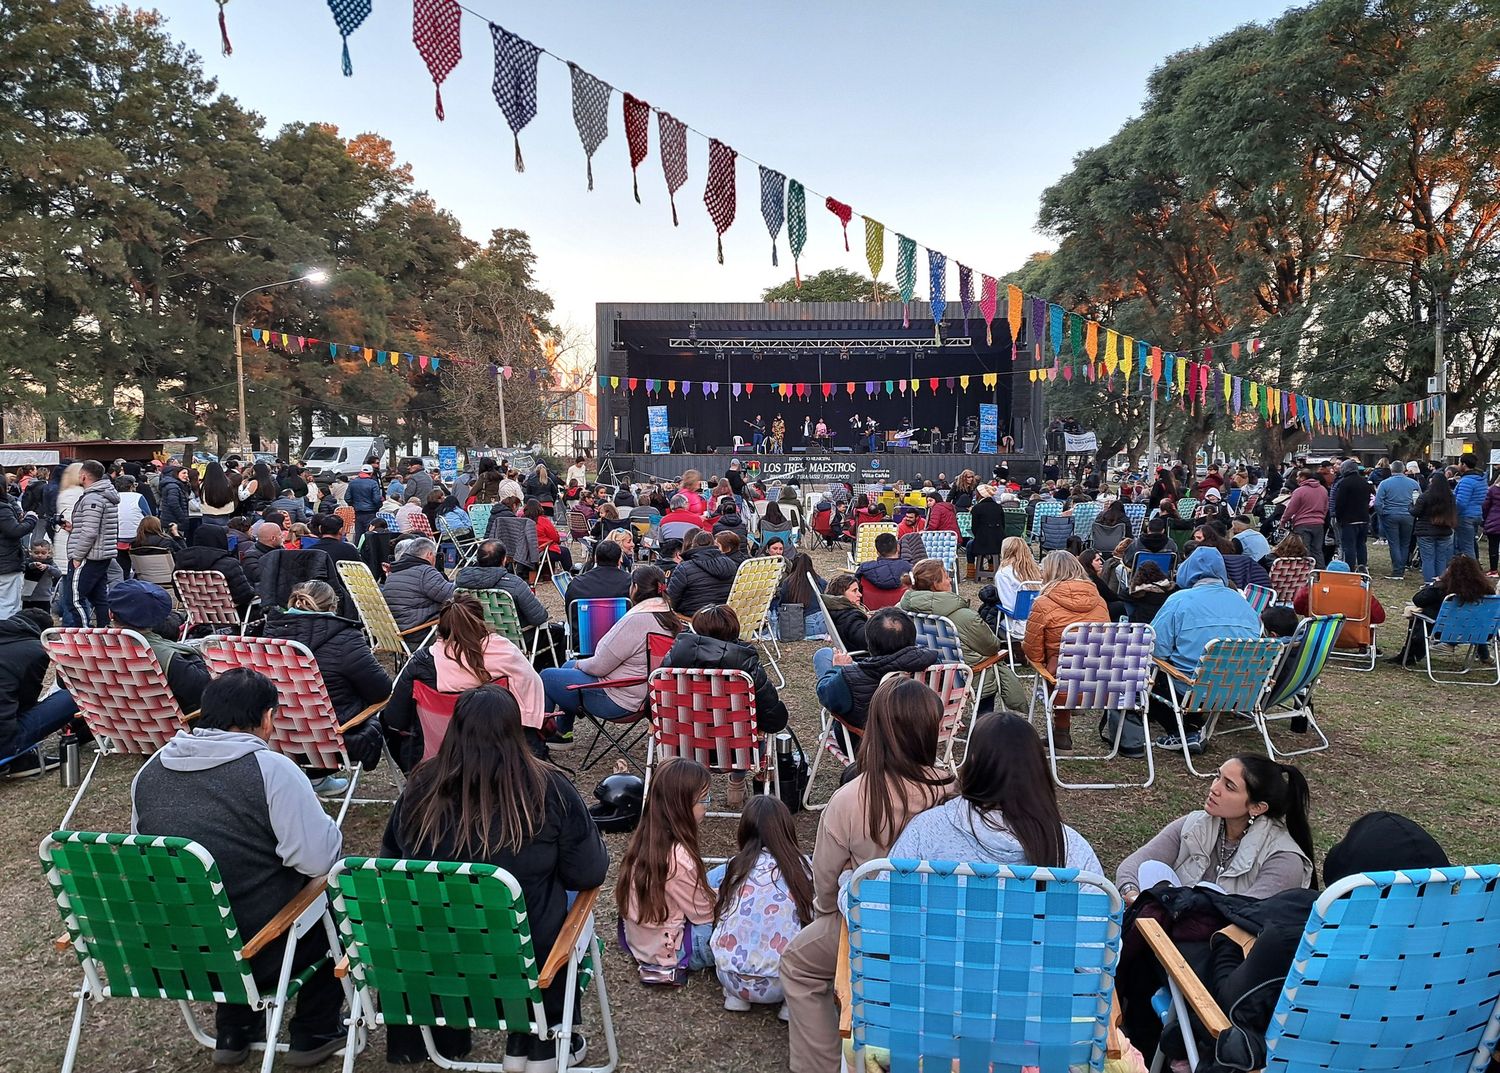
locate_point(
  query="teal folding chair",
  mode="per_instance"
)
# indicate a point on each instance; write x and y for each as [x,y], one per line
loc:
[1230,680]
[1470,627]
[1289,698]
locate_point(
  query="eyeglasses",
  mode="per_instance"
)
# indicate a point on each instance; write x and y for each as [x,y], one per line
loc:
[707,799]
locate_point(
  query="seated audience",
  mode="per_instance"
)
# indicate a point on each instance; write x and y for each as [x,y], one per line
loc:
[887,570]
[1149,589]
[25,718]
[147,609]
[680,520]
[846,684]
[930,592]
[798,582]
[1017,570]
[734,549]
[703,578]
[1464,580]
[847,609]
[1092,561]
[329,528]
[548,539]
[416,589]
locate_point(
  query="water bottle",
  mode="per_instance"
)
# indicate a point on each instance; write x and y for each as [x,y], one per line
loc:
[68,769]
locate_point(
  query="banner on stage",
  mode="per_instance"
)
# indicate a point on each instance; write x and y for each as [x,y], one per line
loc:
[1080,442]
[989,428]
[816,469]
[656,418]
[448,462]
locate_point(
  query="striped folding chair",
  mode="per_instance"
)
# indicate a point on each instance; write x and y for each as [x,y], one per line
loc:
[1331,592]
[708,716]
[942,545]
[864,542]
[1289,697]
[148,917]
[380,625]
[755,585]
[450,945]
[1288,575]
[1471,627]
[1045,508]
[1084,516]
[589,621]
[345,514]
[420,525]
[1187,508]
[1231,679]
[938,633]
[1135,514]
[501,614]
[1259,597]
[1035,951]
[479,519]
[304,726]
[389,519]
[205,596]
[1101,667]
[120,689]
[1430,936]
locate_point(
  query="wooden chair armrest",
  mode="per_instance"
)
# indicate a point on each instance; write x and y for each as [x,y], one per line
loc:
[1240,937]
[360,717]
[1046,675]
[841,983]
[562,949]
[62,942]
[618,683]
[418,629]
[1173,671]
[190,716]
[1198,999]
[286,917]
[1115,1041]
[988,662]
[341,967]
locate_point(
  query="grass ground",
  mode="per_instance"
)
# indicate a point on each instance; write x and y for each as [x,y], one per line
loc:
[1398,743]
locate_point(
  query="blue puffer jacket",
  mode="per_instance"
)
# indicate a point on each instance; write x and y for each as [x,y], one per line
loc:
[1469,493]
[1203,609]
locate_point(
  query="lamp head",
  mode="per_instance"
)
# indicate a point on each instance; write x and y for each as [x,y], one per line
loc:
[317,275]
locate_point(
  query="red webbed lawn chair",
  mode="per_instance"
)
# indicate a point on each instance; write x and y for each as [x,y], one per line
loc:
[629,727]
[708,715]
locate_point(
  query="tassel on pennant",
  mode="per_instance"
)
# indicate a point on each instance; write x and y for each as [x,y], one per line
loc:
[874,253]
[514,84]
[796,225]
[435,32]
[718,194]
[672,134]
[937,280]
[844,213]
[590,112]
[224,46]
[906,274]
[772,203]
[347,16]
[637,127]
[989,302]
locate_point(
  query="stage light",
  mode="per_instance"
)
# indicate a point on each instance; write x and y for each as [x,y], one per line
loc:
[693,326]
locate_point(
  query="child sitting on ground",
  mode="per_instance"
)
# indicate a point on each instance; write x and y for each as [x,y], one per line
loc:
[765,899]
[666,903]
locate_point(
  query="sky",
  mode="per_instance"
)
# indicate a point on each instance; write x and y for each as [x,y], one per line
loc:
[946,121]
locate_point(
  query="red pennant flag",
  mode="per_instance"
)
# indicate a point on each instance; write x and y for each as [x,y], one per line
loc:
[637,123]
[844,213]
[632,382]
[434,30]
[933,383]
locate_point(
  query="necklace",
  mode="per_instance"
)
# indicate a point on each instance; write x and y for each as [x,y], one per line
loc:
[1222,850]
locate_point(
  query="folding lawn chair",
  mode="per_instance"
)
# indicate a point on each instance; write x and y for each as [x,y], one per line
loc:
[1467,626]
[938,633]
[153,565]
[148,918]
[1331,592]
[1025,597]
[708,716]
[1288,575]
[501,615]
[982,966]
[1258,596]
[863,550]
[120,689]
[479,519]
[1045,508]
[965,525]
[1289,697]
[1055,533]
[589,621]
[942,545]
[950,680]
[624,733]
[1231,679]
[1395,970]
[438,944]
[465,546]
[1135,514]
[1103,667]
[345,514]
[1187,508]
[873,597]
[755,585]
[205,596]
[304,726]
[1084,516]
[834,640]
[380,625]
[561,582]
[434,713]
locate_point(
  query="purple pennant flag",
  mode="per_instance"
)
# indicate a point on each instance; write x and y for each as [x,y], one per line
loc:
[706,389]
[687,385]
[1239,384]
[950,383]
[1036,321]
[735,389]
[870,387]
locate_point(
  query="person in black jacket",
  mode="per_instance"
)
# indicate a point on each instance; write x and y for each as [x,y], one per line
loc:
[488,572]
[268,538]
[15,527]
[1351,510]
[328,528]
[606,580]
[209,550]
[172,492]
[702,579]
[23,668]
[485,798]
[846,606]
[714,641]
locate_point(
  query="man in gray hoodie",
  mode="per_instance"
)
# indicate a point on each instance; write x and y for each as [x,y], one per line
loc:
[93,543]
[255,811]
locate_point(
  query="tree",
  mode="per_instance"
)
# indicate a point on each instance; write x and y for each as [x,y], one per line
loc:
[831,285]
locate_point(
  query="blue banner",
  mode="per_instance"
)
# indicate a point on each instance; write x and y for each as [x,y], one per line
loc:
[448,463]
[989,428]
[656,418]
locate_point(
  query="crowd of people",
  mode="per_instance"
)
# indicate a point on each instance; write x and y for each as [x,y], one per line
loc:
[767,921]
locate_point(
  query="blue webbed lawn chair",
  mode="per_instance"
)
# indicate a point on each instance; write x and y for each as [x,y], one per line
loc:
[942,545]
[1471,627]
[1135,514]
[1395,970]
[1231,678]
[980,966]
[1084,516]
[1044,509]
[1290,694]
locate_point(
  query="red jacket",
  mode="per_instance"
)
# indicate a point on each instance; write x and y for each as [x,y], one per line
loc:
[547,537]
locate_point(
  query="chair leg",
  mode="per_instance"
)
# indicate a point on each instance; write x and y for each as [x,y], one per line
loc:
[823,744]
[82,788]
[354,774]
[606,1014]
[277,1007]
[75,1033]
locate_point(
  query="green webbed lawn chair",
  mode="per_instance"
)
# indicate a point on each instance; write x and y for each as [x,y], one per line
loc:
[437,943]
[147,917]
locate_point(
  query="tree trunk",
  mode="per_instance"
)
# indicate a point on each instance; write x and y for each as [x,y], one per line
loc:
[305,414]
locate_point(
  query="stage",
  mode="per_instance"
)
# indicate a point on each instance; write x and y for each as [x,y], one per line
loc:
[820,468]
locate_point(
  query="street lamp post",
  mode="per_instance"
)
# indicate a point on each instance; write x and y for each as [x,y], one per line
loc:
[316,276]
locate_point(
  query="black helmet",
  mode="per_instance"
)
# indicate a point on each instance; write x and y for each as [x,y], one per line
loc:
[620,799]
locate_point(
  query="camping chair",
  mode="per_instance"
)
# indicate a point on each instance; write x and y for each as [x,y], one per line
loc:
[501,615]
[1231,678]
[708,715]
[205,596]
[147,917]
[942,545]
[1055,533]
[985,966]
[1187,508]
[1135,514]
[1288,575]
[465,546]
[578,526]
[588,622]
[345,514]
[1167,560]
[874,597]
[863,550]
[304,726]
[153,565]
[1331,592]
[446,944]
[120,689]
[755,585]
[939,633]
[1044,509]
[1014,521]
[950,681]
[479,519]
[1084,516]
[1259,597]
[1290,694]
[380,625]
[1104,667]
[622,734]
[1473,626]
[1395,970]
[1025,597]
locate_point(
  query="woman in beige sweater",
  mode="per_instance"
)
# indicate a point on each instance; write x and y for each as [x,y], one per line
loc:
[897,780]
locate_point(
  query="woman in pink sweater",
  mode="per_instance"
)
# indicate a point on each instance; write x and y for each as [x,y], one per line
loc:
[468,653]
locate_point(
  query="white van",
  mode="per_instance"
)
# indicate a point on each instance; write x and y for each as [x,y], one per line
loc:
[343,455]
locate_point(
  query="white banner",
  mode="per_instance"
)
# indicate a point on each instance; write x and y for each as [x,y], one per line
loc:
[1080,442]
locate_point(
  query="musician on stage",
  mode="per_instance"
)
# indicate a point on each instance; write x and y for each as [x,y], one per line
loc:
[778,436]
[807,430]
[757,432]
[872,434]
[820,434]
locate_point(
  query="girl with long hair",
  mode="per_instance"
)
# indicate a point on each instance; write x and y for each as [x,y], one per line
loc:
[898,778]
[799,583]
[1006,809]
[1017,570]
[548,539]
[665,903]
[1291,547]
[765,899]
[485,798]
[217,492]
[1436,514]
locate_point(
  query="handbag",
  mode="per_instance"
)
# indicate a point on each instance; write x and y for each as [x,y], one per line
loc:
[791,622]
[791,770]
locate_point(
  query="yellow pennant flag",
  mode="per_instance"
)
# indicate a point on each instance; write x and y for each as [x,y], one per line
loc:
[1031,375]
[991,379]
[1255,396]
[1091,340]
[1181,375]
[614,381]
[963,382]
[915,386]
[1111,350]
[1127,357]
[1228,389]
[1013,299]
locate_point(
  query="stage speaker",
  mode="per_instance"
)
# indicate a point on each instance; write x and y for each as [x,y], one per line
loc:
[799,450]
[843,450]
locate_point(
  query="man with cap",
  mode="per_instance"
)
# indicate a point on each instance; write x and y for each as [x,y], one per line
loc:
[24,719]
[146,609]
[363,494]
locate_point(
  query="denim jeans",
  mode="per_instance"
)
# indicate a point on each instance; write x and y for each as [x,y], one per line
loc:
[1437,552]
[555,683]
[1397,528]
[46,717]
[1466,537]
[822,662]
[1352,537]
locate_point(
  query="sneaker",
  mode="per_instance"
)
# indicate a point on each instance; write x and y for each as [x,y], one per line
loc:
[316,1050]
[1172,742]
[517,1051]
[543,1057]
[330,786]
[233,1047]
[561,740]
[29,765]
[735,1004]
[784,1015]
[1395,577]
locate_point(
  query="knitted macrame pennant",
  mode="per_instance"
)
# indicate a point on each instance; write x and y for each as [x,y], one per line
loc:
[937,279]
[637,133]
[590,112]
[514,84]
[906,274]
[225,45]
[672,133]
[965,292]
[874,250]
[347,15]
[772,203]
[718,193]
[844,213]
[435,32]
[796,224]
[989,302]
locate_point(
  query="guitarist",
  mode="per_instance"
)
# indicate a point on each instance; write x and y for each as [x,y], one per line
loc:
[757,432]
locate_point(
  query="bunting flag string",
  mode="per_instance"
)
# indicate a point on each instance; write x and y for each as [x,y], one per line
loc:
[435,32]
[514,85]
[591,113]
[306,344]
[772,203]
[637,116]
[718,194]
[796,225]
